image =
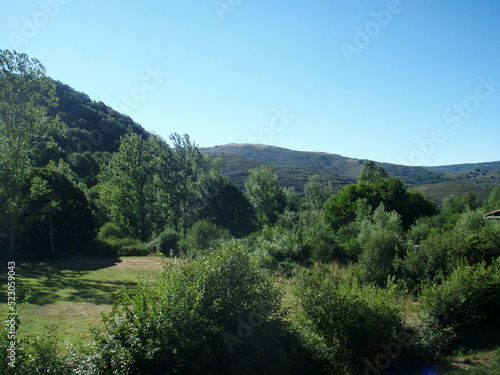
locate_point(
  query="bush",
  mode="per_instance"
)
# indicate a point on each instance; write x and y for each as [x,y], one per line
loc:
[466,304]
[114,246]
[166,243]
[215,315]
[110,230]
[41,355]
[277,248]
[380,239]
[439,254]
[320,240]
[351,319]
[204,235]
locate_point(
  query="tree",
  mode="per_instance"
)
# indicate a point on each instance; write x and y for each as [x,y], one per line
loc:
[189,164]
[263,192]
[371,173]
[493,201]
[317,192]
[221,202]
[58,214]
[26,93]
[292,199]
[380,238]
[340,209]
[126,186]
[163,182]
[457,204]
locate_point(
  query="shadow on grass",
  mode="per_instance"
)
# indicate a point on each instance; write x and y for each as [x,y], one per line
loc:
[66,281]
[85,264]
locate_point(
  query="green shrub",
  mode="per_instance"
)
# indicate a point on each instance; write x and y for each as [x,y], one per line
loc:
[319,239]
[41,354]
[214,315]
[380,239]
[204,235]
[352,319]
[166,243]
[439,254]
[280,249]
[466,304]
[114,246]
[110,230]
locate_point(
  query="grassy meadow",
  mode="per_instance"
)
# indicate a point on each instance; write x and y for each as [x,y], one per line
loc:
[72,294]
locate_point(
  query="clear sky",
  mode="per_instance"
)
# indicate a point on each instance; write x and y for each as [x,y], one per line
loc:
[408,82]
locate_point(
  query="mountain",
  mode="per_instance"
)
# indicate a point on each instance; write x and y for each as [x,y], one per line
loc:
[94,131]
[315,162]
[295,167]
[489,166]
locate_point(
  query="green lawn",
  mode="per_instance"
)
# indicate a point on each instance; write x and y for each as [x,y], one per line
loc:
[72,294]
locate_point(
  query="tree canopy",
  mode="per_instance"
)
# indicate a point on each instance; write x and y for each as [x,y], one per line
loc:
[26,93]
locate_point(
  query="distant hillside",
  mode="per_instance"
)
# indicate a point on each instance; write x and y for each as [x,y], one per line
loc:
[437,192]
[342,167]
[236,168]
[295,167]
[489,166]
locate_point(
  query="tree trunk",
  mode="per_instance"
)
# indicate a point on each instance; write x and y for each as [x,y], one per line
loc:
[51,234]
[12,239]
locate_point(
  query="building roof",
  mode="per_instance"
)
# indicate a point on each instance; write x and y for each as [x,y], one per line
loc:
[493,215]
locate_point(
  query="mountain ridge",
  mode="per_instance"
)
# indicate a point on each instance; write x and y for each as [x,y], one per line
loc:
[295,167]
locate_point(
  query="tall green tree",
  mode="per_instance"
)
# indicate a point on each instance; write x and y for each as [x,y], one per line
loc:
[317,192]
[161,212]
[58,216]
[221,202]
[264,193]
[189,165]
[381,240]
[126,186]
[26,93]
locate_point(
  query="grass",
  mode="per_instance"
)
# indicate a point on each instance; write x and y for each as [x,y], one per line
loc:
[473,363]
[478,363]
[72,294]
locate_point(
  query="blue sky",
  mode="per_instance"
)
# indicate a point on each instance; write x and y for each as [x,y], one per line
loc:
[408,82]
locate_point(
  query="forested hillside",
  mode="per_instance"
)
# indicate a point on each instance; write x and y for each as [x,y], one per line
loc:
[294,168]
[321,162]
